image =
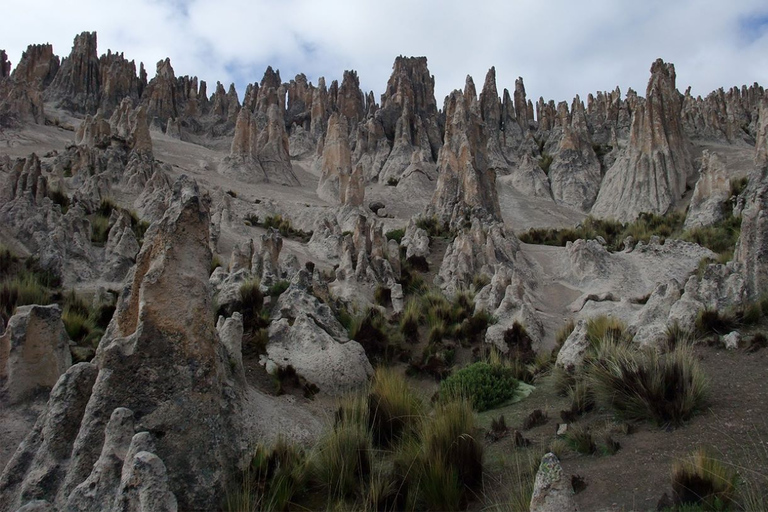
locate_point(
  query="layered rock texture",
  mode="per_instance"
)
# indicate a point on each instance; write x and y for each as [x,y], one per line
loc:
[652,173]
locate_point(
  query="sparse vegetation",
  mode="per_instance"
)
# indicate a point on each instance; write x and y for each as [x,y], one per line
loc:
[278,288]
[645,385]
[704,481]
[545,162]
[484,385]
[396,235]
[282,225]
[392,182]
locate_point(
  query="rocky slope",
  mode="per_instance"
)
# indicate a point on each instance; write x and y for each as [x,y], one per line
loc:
[114,181]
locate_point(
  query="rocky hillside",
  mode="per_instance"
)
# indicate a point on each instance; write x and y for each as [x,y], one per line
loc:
[189,278]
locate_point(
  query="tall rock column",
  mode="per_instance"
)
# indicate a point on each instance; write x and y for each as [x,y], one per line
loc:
[76,85]
[338,183]
[466,186]
[651,175]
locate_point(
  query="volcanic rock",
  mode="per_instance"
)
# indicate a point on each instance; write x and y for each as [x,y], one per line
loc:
[38,66]
[711,193]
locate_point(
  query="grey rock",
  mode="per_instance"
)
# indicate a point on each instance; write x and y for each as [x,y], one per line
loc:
[34,351]
[552,491]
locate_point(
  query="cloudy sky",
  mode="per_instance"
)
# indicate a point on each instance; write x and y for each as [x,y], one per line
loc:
[559,47]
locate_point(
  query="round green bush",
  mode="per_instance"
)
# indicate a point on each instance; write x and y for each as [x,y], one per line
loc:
[485,385]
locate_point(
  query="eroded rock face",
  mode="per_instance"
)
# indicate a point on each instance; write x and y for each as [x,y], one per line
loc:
[339,183]
[34,351]
[466,186]
[77,84]
[38,66]
[708,204]
[164,344]
[651,175]
[305,335]
[260,148]
[5,65]
[574,172]
[725,116]
[761,138]
[752,247]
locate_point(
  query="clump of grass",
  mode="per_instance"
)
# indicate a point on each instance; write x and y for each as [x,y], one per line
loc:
[342,460]
[60,198]
[602,328]
[99,229]
[580,439]
[215,263]
[433,227]
[703,480]
[645,385]
[278,288]
[271,480]
[486,386]
[396,235]
[562,335]
[372,332]
[393,410]
[392,181]
[284,226]
[449,441]
[545,162]
[22,290]
[250,304]
[410,319]
[382,296]
[714,322]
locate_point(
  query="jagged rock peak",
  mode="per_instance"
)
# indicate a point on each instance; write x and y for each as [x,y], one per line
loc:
[466,186]
[271,78]
[490,104]
[76,85]
[652,174]
[350,100]
[521,104]
[118,81]
[5,65]
[410,81]
[38,66]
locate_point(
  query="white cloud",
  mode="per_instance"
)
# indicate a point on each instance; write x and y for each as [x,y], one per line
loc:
[560,47]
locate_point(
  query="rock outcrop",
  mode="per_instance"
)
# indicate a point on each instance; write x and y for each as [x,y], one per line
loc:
[752,247]
[339,183]
[38,66]
[466,186]
[574,169]
[34,351]
[260,148]
[165,345]
[761,138]
[710,196]
[552,490]
[652,173]
[76,86]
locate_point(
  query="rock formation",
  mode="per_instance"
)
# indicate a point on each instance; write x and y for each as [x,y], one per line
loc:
[708,204]
[552,491]
[761,138]
[260,148]
[752,247]
[652,173]
[34,351]
[466,186]
[38,66]
[76,86]
[5,65]
[339,183]
[574,171]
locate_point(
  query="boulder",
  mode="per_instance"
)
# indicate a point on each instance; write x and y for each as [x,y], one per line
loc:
[552,490]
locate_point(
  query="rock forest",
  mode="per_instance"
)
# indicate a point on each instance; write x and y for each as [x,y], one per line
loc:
[309,297]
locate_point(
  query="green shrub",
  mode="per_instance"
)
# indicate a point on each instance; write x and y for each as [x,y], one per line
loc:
[392,182]
[396,235]
[645,385]
[432,226]
[485,386]
[703,480]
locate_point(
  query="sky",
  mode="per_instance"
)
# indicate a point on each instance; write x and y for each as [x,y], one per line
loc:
[560,47]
